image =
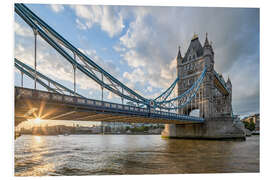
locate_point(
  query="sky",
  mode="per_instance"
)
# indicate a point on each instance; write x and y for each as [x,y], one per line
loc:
[138,45]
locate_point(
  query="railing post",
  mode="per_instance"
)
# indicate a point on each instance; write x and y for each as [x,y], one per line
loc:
[202,103]
[199,102]
[122,97]
[35,57]
[21,79]
[74,75]
[191,103]
[102,88]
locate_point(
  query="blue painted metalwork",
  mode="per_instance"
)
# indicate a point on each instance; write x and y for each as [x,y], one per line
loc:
[36,23]
[91,68]
[33,77]
[185,98]
[166,93]
[103,106]
[30,72]
[70,59]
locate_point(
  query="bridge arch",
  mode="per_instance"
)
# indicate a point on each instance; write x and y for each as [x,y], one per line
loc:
[195,112]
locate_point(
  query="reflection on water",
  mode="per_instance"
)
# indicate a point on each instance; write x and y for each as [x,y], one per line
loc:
[131,154]
[37,139]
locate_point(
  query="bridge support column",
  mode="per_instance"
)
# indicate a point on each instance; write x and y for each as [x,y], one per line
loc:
[212,128]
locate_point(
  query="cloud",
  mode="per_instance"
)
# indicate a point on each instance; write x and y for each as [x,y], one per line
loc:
[107,65]
[22,30]
[80,25]
[148,38]
[53,65]
[57,7]
[134,59]
[149,89]
[152,38]
[119,48]
[135,76]
[107,17]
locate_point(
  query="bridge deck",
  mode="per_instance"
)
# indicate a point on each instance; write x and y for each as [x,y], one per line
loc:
[30,103]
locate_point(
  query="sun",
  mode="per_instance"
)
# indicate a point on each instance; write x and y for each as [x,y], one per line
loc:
[37,120]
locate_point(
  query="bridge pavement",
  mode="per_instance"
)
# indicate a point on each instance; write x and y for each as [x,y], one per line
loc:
[30,104]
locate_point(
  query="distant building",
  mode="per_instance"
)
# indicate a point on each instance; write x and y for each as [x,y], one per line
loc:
[96,129]
[114,126]
[255,119]
[122,126]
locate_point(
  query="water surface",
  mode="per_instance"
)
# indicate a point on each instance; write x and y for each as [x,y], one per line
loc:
[131,154]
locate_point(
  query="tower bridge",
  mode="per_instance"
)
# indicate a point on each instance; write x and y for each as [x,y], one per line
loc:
[199,86]
[213,98]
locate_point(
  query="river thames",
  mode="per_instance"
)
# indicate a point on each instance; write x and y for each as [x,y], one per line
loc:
[131,154]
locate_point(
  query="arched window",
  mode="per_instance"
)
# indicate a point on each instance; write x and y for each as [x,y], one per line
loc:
[191,81]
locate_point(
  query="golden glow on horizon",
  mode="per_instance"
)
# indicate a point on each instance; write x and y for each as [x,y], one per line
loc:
[37,120]
[38,139]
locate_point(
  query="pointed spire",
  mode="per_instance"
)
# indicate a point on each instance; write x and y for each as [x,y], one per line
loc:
[228,80]
[206,43]
[179,56]
[195,36]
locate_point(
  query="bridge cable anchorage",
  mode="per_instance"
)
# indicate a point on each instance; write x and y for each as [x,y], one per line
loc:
[54,39]
[41,78]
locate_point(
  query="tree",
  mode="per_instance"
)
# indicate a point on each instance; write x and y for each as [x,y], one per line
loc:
[249,125]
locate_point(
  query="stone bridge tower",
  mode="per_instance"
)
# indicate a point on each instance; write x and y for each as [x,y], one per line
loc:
[213,99]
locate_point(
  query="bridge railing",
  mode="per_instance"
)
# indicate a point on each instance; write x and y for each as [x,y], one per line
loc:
[98,105]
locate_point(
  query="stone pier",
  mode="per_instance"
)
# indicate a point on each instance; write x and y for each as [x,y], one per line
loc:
[213,98]
[212,128]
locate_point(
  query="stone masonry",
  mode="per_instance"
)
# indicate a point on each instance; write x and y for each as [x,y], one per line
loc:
[213,101]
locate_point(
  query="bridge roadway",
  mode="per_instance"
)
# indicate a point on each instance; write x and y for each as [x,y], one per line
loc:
[30,104]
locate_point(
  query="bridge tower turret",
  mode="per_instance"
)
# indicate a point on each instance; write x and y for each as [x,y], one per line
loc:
[208,83]
[179,60]
[189,69]
[208,54]
[213,98]
[229,98]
